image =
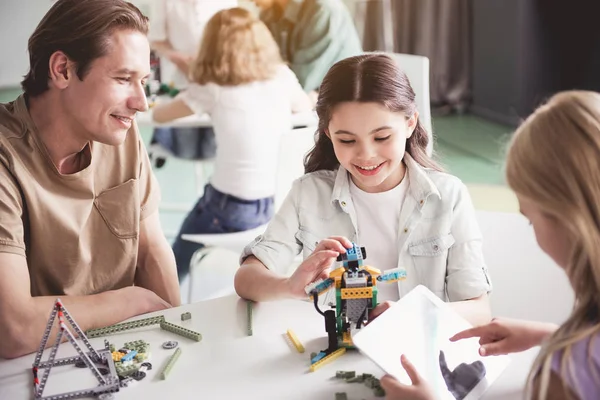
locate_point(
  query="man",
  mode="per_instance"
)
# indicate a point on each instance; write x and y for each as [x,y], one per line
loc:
[312,35]
[78,201]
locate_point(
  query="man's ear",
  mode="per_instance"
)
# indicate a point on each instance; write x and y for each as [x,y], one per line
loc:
[412,124]
[60,70]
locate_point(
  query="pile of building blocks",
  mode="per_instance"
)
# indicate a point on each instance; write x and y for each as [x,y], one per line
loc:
[368,379]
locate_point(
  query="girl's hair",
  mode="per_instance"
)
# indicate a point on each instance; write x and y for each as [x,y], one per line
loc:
[236,48]
[366,78]
[554,161]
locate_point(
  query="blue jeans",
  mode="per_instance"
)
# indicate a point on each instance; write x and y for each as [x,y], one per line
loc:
[188,143]
[218,212]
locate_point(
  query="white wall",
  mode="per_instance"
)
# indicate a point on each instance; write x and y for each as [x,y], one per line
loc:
[18,19]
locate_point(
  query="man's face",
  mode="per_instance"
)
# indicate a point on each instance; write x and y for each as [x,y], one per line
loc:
[102,106]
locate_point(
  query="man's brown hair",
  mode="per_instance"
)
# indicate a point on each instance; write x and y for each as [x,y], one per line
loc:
[81,29]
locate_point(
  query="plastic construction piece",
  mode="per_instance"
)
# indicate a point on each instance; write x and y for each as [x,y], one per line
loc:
[188,333]
[295,341]
[392,275]
[109,330]
[171,344]
[249,310]
[186,315]
[341,396]
[336,354]
[355,286]
[345,374]
[319,286]
[165,372]
[107,384]
[126,370]
[129,356]
[139,345]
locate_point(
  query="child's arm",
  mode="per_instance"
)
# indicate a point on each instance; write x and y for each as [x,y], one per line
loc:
[196,99]
[254,281]
[467,280]
[172,110]
[477,310]
[300,100]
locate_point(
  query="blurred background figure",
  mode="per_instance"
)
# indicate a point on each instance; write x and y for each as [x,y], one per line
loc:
[176,29]
[239,79]
[312,35]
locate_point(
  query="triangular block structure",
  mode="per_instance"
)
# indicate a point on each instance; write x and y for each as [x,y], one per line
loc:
[107,384]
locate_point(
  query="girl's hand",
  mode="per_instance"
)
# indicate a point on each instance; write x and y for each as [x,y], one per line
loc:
[394,390]
[317,265]
[504,336]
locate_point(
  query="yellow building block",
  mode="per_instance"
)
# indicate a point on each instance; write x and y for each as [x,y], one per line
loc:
[373,271]
[357,293]
[117,355]
[337,273]
[336,354]
[295,341]
[346,338]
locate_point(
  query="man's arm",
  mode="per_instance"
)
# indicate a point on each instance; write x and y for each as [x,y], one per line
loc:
[24,317]
[156,269]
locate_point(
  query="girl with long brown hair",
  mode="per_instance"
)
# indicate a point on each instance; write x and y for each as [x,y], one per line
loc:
[369,180]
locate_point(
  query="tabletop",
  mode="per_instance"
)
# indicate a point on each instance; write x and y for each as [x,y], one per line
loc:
[227,363]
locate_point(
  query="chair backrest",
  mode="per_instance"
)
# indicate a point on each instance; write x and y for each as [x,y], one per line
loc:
[416,69]
[293,148]
[527,284]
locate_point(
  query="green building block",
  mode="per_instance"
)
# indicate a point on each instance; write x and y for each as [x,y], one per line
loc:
[126,370]
[186,315]
[379,392]
[109,330]
[165,372]
[249,306]
[341,396]
[188,333]
[139,345]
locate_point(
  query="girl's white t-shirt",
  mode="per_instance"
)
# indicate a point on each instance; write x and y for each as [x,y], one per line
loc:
[249,121]
[378,218]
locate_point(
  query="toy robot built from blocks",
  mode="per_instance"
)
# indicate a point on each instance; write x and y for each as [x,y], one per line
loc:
[355,294]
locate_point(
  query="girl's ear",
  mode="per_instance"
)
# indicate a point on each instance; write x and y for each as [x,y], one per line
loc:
[327,133]
[411,124]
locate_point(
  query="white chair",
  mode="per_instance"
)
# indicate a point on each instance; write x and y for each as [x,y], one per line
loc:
[416,69]
[209,279]
[527,284]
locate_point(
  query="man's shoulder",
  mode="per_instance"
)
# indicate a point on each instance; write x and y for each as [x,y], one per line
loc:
[325,6]
[11,125]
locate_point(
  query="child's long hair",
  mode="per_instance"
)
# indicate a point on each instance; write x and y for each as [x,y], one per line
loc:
[366,78]
[554,161]
[236,48]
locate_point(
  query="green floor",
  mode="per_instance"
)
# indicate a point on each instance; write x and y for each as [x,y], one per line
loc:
[469,147]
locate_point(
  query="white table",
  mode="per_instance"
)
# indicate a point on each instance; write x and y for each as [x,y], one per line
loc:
[228,364]
[144,119]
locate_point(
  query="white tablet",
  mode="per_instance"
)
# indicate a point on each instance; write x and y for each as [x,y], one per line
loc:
[419,326]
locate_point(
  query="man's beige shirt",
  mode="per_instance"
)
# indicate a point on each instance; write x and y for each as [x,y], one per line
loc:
[79,232]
